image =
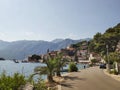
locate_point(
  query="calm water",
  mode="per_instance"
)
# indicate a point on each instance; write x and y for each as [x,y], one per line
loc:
[24,68]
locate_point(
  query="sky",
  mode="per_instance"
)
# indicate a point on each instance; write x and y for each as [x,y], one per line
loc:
[51,19]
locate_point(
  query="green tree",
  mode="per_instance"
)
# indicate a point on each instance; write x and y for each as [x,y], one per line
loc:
[60,62]
[115,57]
[97,37]
[72,67]
[94,61]
[35,57]
[48,70]
[110,38]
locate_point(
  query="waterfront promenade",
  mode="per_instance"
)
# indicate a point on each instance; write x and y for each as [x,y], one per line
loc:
[90,79]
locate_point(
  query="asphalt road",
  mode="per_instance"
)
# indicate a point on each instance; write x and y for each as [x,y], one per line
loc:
[90,79]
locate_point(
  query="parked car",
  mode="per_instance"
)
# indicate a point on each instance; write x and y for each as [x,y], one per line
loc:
[102,66]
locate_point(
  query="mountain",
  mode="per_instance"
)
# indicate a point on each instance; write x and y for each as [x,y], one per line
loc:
[57,40]
[3,44]
[24,48]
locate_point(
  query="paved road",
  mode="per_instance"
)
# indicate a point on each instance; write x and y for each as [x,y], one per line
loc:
[90,79]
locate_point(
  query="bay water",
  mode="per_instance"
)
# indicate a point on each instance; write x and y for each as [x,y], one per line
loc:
[10,67]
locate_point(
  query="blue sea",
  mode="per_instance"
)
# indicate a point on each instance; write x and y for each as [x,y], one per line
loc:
[26,69]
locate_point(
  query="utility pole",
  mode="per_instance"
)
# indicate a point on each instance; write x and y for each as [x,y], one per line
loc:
[108,65]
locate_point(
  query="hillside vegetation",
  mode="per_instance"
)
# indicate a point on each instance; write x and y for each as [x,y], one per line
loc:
[110,38]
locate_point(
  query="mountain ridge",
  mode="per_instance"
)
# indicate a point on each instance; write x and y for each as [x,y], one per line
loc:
[23,48]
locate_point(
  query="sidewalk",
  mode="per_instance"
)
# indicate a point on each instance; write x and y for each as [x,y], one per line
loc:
[116,77]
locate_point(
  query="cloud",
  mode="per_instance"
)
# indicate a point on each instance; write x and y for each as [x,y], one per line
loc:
[72,36]
[29,33]
[2,34]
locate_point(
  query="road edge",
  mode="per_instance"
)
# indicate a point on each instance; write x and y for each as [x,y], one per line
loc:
[116,77]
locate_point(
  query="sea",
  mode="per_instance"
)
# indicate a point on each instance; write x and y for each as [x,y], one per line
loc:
[10,67]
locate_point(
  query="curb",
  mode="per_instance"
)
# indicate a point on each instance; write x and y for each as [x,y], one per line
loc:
[116,77]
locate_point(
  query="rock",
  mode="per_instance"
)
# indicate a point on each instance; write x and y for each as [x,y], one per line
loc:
[28,86]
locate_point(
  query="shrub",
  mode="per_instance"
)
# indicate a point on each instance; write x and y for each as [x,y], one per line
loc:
[11,82]
[38,83]
[91,65]
[73,67]
[111,72]
[93,61]
[114,71]
[40,86]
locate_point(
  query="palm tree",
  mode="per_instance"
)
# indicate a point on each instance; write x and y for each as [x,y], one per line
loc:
[60,62]
[53,64]
[48,70]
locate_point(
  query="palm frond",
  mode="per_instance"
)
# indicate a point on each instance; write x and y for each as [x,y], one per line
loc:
[41,70]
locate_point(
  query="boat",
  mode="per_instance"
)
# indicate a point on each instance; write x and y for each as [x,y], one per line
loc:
[24,61]
[16,61]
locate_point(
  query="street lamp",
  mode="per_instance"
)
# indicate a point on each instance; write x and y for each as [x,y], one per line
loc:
[108,65]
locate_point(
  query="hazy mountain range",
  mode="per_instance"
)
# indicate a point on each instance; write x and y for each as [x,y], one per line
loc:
[21,49]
